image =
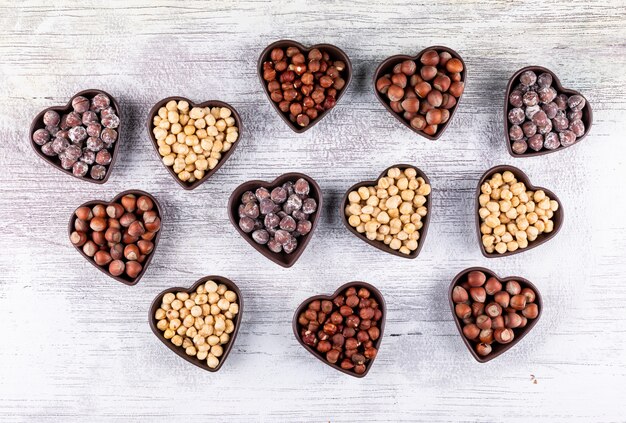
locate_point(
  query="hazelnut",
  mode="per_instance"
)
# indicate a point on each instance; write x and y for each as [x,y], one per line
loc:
[133,269]
[136,229]
[395,93]
[430,58]
[102,258]
[129,202]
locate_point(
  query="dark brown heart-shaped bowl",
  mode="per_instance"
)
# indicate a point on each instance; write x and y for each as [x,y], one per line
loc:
[125,279]
[375,293]
[180,351]
[386,67]
[497,348]
[335,52]
[556,83]
[557,218]
[210,103]
[378,244]
[54,160]
[282,259]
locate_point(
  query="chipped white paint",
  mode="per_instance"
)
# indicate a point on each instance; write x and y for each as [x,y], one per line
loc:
[76,345]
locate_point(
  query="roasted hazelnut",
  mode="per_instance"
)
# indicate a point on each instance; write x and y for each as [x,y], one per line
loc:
[503,335]
[518,302]
[395,93]
[476,278]
[133,269]
[102,258]
[129,202]
[430,58]
[483,349]
[531,311]
[428,72]
[459,294]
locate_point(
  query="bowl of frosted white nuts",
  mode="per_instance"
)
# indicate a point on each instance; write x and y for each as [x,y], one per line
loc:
[512,215]
[193,140]
[200,323]
[391,213]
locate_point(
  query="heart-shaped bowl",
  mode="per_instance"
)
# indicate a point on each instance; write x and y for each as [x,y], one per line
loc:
[125,279]
[375,293]
[210,103]
[556,83]
[282,259]
[498,349]
[557,218]
[156,304]
[335,52]
[54,160]
[378,244]
[387,66]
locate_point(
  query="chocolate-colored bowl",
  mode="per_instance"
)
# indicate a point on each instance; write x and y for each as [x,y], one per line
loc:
[180,351]
[556,83]
[54,161]
[210,103]
[375,293]
[282,259]
[335,52]
[557,218]
[125,279]
[379,244]
[497,348]
[386,67]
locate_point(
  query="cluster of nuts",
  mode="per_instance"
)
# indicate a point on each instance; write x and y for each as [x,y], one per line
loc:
[119,235]
[392,210]
[202,322]
[81,138]
[277,218]
[542,119]
[490,311]
[193,141]
[303,87]
[511,215]
[426,95]
[343,330]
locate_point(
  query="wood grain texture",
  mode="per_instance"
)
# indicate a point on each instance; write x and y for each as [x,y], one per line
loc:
[76,345]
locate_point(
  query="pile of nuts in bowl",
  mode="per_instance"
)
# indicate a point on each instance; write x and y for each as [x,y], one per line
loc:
[304,85]
[83,138]
[511,216]
[192,141]
[425,92]
[345,330]
[540,118]
[201,322]
[119,236]
[492,312]
[392,210]
[278,218]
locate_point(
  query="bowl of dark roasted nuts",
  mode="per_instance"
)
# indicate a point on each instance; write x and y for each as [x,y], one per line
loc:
[303,83]
[491,313]
[422,91]
[345,329]
[80,138]
[541,116]
[277,218]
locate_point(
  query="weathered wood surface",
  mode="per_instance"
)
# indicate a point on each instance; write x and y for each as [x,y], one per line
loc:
[76,345]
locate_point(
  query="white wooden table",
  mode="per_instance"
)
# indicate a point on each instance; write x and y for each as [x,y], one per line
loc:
[76,345]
